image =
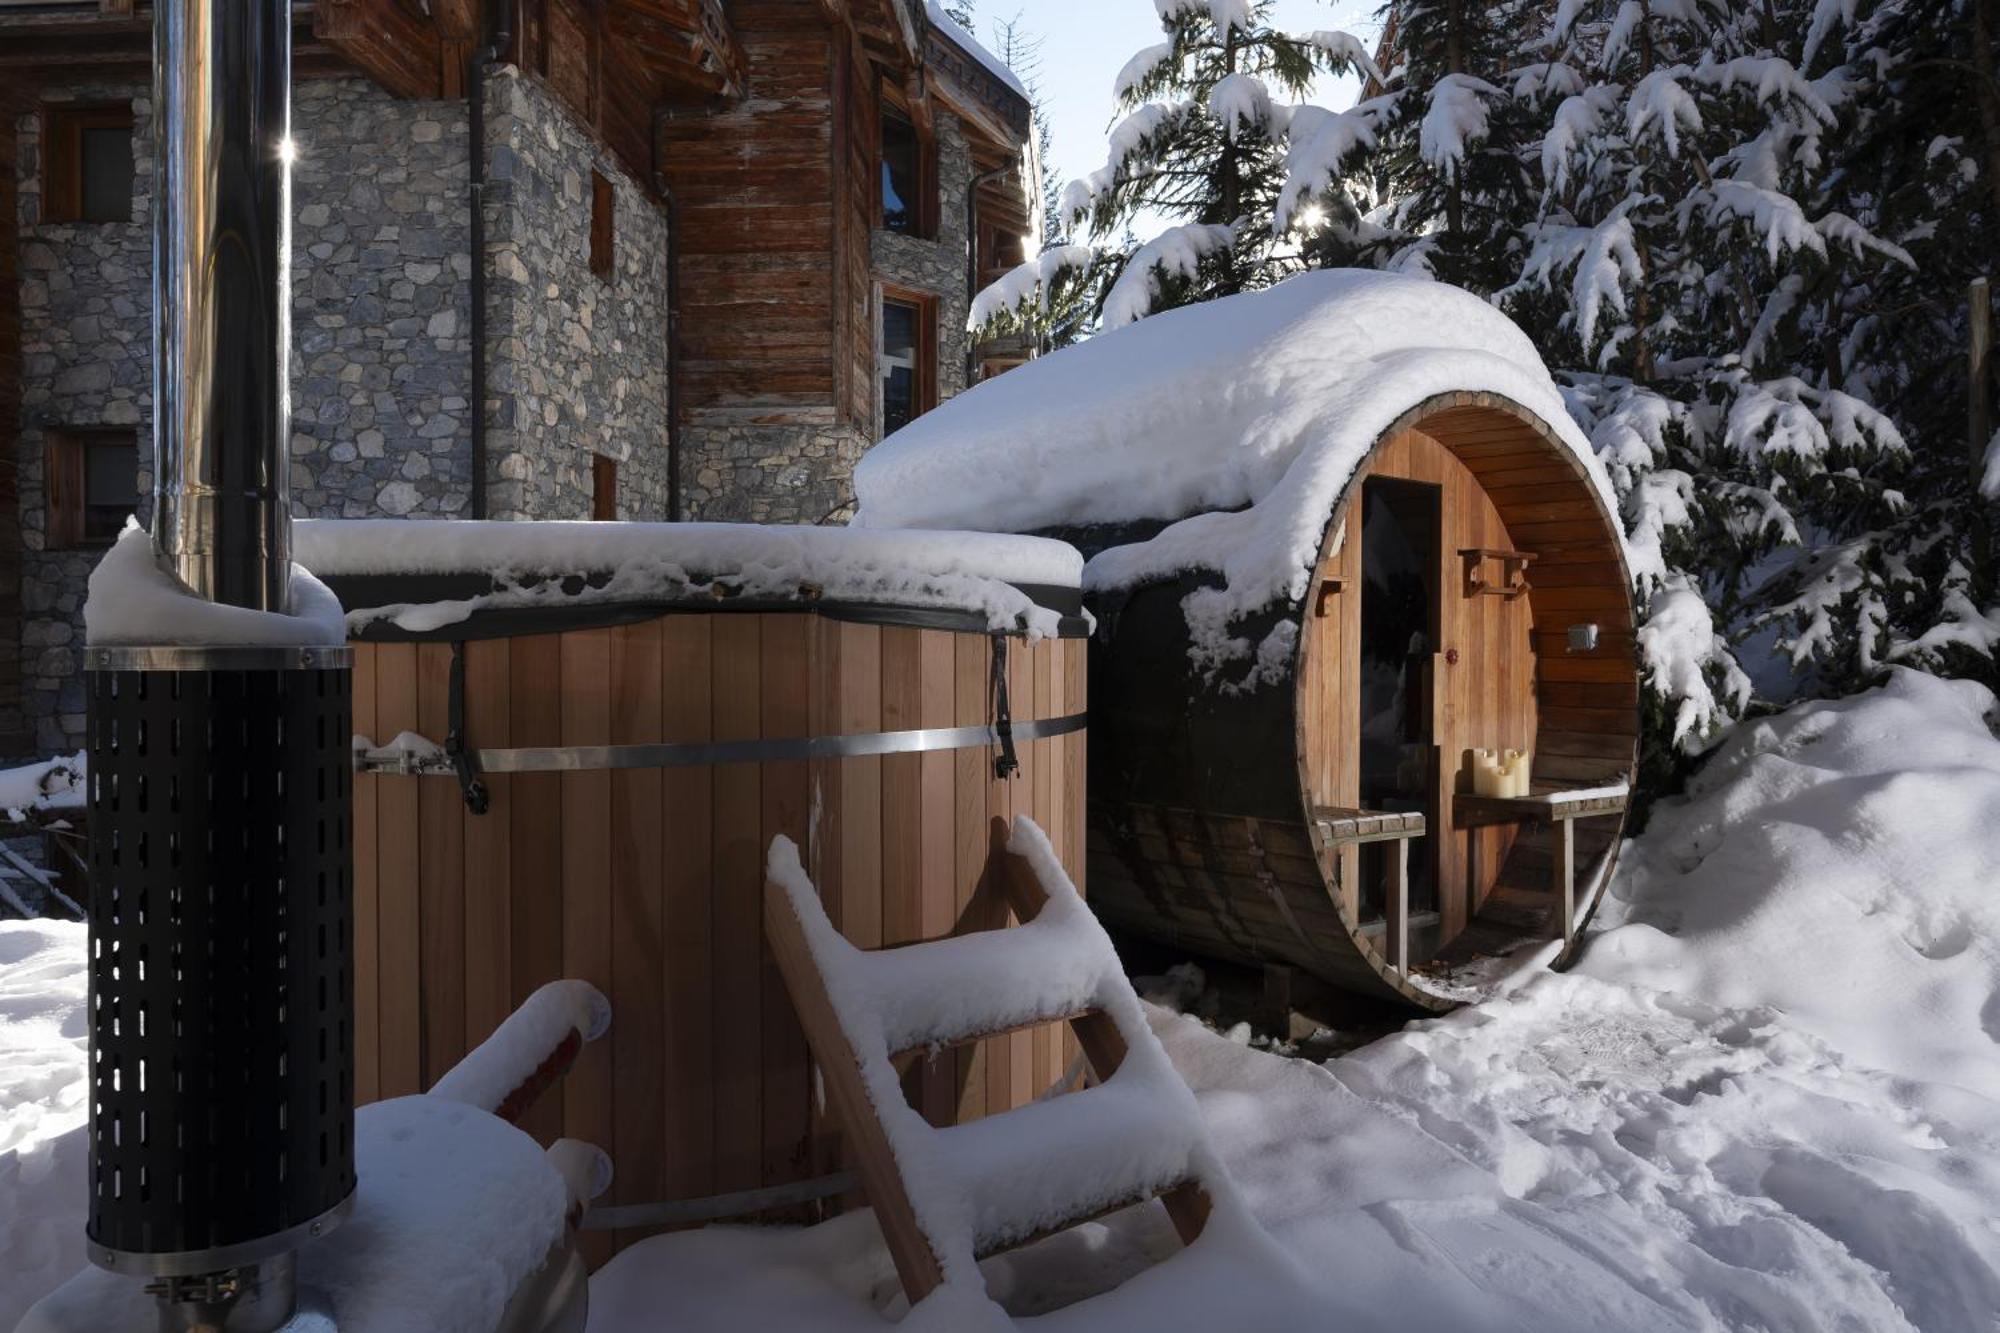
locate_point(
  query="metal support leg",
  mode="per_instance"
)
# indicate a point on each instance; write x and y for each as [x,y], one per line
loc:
[1566,875]
[1399,906]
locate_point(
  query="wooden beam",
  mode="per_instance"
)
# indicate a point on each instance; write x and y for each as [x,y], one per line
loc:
[386,42]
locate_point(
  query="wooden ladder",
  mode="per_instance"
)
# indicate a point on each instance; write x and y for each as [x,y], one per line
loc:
[864,1013]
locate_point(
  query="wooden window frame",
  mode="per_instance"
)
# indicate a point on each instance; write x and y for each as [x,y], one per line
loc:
[603,226]
[66,484]
[925,394]
[924,224]
[63,125]
[603,488]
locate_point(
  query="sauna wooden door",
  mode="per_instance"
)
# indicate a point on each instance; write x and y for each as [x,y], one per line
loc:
[1401,574]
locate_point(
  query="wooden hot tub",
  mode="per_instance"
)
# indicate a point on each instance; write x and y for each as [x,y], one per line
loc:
[646,718]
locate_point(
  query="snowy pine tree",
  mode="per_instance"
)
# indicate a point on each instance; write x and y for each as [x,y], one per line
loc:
[1199,143]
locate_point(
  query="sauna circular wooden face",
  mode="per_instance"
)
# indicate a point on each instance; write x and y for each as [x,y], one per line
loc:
[1461,721]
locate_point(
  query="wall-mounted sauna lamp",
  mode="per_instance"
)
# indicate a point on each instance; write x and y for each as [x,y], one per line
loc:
[1582,638]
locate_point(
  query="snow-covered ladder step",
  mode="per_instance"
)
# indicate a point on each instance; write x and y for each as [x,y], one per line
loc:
[947,1197]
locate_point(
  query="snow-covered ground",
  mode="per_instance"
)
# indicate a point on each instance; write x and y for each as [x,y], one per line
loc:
[1767,1098]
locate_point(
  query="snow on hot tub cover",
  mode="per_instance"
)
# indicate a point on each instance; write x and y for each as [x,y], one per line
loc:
[1262,404]
[528,563]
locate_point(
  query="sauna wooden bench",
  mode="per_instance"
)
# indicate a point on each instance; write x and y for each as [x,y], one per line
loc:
[1339,826]
[1559,807]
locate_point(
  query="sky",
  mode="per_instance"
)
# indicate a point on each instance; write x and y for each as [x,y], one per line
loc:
[1086,42]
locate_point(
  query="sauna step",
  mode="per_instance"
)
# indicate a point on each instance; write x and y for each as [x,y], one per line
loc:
[947,1196]
[1051,1164]
[952,991]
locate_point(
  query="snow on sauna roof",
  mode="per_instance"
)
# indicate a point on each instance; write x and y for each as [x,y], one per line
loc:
[529,563]
[1263,404]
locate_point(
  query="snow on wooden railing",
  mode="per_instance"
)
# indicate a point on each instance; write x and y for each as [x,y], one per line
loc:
[529,1052]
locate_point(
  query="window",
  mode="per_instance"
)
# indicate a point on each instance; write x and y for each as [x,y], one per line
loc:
[90,483]
[603,207]
[87,163]
[908,361]
[603,488]
[906,178]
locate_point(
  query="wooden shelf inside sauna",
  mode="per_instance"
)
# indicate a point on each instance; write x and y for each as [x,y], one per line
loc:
[1513,572]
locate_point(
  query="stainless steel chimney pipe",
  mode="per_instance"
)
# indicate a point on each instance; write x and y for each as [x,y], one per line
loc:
[222,298]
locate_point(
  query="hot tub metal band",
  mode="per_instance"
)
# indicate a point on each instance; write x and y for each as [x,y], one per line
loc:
[581,758]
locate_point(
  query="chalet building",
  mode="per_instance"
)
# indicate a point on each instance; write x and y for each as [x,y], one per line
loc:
[694,256]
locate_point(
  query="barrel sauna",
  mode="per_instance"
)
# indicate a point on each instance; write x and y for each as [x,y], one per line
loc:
[1437,621]
[1341,535]
[641,737]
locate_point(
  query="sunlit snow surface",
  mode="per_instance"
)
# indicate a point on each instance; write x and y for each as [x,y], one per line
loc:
[1767,1098]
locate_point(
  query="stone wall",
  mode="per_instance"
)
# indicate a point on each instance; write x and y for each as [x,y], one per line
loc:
[801,471]
[381,365]
[381,361]
[579,364]
[86,361]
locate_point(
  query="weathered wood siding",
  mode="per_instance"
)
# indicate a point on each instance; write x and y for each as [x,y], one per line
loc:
[757,189]
[648,883]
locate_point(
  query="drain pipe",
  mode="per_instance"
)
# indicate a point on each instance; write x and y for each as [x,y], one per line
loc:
[673,204]
[500,30]
[972,253]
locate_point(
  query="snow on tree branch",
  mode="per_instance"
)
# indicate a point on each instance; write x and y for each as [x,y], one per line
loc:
[1025,284]
[1241,102]
[1140,70]
[1176,252]
[1321,145]
[1689,664]
[1455,121]
[1225,14]
[1344,51]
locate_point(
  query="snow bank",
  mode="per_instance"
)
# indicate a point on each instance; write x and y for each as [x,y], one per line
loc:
[1839,862]
[44,1101]
[1262,404]
[134,603]
[971,571]
[454,1209]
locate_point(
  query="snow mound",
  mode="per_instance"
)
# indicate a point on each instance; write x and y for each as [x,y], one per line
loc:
[533,564]
[1237,422]
[1839,862]
[44,1101]
[454,1209]
[134,603]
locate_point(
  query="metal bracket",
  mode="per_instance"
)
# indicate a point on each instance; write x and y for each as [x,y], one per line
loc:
[464,762]
[1005,764]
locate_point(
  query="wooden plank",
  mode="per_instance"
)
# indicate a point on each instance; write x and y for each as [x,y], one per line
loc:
[440,878]
[638,945]
[875,1161]
[687,926]
[971,769]
[535,842]
[367,896]
[785,710]
[587,1090]
[859,709]
[400,917]
[735,685]
[937,892]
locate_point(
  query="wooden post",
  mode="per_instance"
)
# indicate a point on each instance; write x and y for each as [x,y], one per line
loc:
[1979,374]
[1278,1000]
[1566,873]
[1399,906]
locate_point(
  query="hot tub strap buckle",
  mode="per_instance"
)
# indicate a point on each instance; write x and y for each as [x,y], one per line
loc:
[1006,765]
[463,761]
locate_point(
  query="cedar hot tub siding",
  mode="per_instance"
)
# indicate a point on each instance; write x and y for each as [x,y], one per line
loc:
[648,882]
[1199,820]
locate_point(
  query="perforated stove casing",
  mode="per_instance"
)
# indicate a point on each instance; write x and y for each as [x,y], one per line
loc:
[222,1102]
